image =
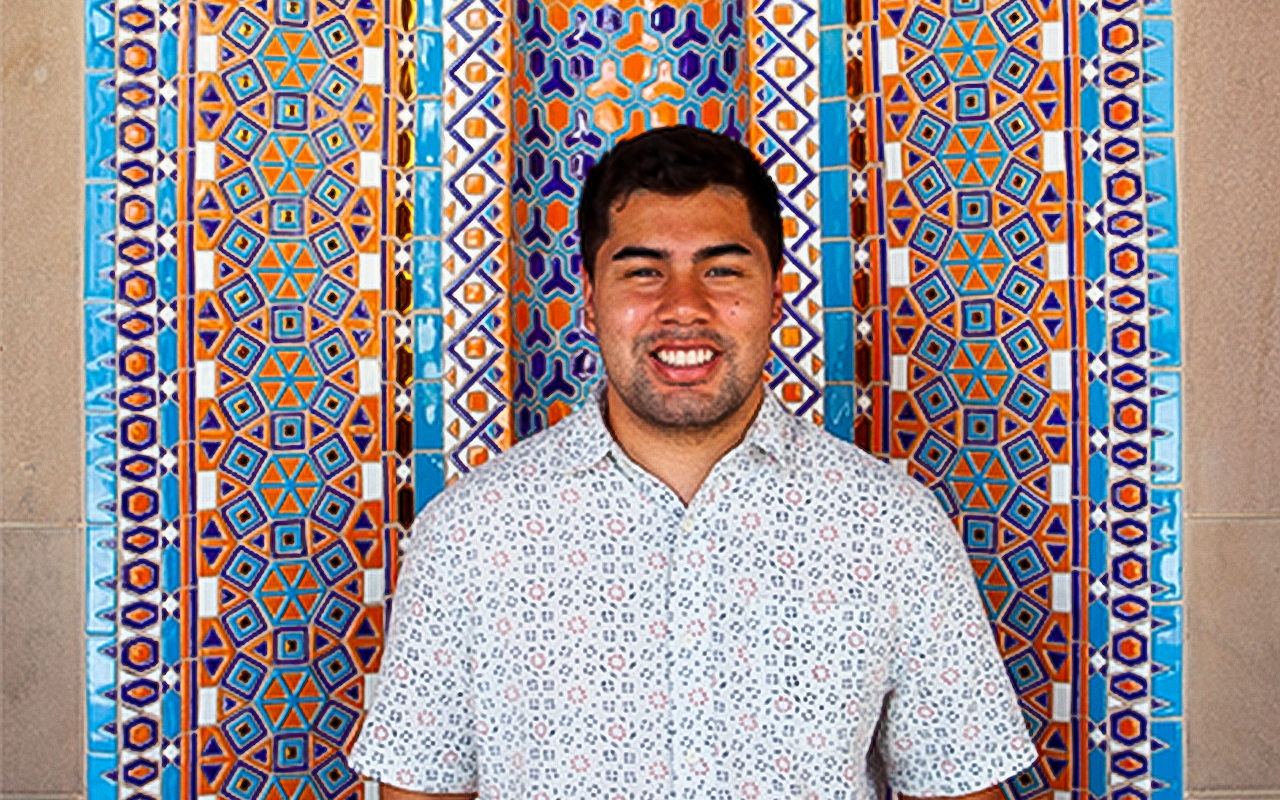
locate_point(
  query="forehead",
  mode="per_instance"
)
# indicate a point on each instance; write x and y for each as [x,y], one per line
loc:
[717,211]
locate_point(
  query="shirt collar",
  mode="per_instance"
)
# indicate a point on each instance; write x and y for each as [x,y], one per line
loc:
[587,441]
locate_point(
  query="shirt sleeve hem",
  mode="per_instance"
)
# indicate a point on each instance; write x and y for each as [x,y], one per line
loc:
[384,776]
[975,784]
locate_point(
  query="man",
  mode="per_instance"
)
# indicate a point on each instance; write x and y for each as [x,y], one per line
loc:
[682,591]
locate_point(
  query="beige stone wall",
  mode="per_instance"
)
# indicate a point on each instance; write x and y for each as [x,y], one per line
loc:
[41,398]
[1229,113]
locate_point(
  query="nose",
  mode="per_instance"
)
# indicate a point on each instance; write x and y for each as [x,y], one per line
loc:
[684,300]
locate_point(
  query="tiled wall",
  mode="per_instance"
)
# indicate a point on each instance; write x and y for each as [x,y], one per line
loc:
[1222,259]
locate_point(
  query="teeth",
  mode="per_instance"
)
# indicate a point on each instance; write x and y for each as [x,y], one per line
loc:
[685,358]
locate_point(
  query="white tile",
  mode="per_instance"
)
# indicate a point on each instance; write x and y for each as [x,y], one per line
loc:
[206,373]
[206,490]
[206,161]
[371,481]
[1060,484]
[204,270]
[889,56]
[1060,371]
[893,161]
[899,267]
[207,596]
[370,169]
[370,272]
[1051,48]
[1055,151]
[1061,593]
[207,53]
[374,66]
[370,688]
[898,373]
[370,377]
[374,587]
[1061,702]
[207,705]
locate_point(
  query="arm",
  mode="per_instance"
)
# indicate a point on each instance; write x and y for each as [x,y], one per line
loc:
[990,793]
[389,792]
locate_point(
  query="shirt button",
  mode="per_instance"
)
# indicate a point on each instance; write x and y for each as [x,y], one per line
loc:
[687,524]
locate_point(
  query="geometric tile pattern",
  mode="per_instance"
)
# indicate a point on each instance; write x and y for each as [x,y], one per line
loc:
[331,265]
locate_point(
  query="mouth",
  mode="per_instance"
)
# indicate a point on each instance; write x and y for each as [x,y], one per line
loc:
[685,363]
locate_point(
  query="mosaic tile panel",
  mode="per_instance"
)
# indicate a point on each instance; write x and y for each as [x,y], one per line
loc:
[330,265]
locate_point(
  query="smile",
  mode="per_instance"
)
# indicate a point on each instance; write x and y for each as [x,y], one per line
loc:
[684,358]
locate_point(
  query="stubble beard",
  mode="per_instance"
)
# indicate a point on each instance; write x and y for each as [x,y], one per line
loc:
[683,413]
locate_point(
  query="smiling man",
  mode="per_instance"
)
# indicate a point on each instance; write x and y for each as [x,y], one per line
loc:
[682,591]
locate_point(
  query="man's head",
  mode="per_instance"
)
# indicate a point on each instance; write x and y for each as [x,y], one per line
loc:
[676,161]
[681,236]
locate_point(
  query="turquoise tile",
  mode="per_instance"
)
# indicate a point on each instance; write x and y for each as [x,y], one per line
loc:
[1097,698]
[100,478]
[167,350]
[426,341]
[171,776]
[99,358]
[99,35]
[426,275]
[171,561]
[839,336]
[100,678]
[98,783]
[99,127]
[1166,651]
[1090,112]
[428,477]
[427,130]
[1091,180]
[100,567]
[428,416]
[1166,438]
[1088,35]
[167,273]
[171,641]
[168,55]
[99,252]
[839,410]
[831,77]
[833,121]
[831,12]
[1096,335]
[1157,92]
[426,203]
[1166,310]
[1099,624]
[1166,539]
[1166,760]
[1159,7]
[1097,556]
[1162,193]
[1097,774]
[837,274]
[429,13]
[835,203]
[430,64]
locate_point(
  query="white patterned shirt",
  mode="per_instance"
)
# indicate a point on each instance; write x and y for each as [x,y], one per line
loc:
[564,627]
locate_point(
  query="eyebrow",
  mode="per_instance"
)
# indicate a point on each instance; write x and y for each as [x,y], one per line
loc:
[714,251]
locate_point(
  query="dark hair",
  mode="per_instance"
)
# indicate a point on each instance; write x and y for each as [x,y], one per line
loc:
[677,161]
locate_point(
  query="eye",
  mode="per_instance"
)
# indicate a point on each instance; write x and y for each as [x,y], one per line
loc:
[642,272]
[724,272]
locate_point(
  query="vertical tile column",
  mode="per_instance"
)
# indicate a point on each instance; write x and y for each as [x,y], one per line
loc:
[586,77]
[787,82]
[476,229]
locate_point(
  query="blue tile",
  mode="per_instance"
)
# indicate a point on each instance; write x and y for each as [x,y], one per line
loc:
[426,203]
[168,60]
[99,477]
[99,127]
[831,12]
[1166,539]
[839,336]
[171,776]
[426,342]
[100,678]
[98,786]
[1098,468]
[1097,773]
[833,119]
[1099,624]
[99,35]
[1095,256]
[100,568]
[1090,114]
[99,358]
[1162,193]
[835,203]
[428,416]
[1166,650]
[1166,310]
[426,275]
[1097,557]
[1166,761]
[99,252]
[1157,58]
[1088,35]
[839,420]
[1097,698]
[831,77]
[430,64]
[171,641]
[427,124]
[167,350]
[1161,7]
[837,274]
[1166,434]
[167,133]
[428,477]
[429,13]
[1091,178]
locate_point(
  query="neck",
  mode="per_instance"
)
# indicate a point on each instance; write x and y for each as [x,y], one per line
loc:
[679,457]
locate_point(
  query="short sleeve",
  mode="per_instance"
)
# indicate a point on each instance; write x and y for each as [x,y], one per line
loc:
[418,733]
[952,724]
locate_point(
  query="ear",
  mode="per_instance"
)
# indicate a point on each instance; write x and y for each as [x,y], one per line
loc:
[588,303]
[776,313]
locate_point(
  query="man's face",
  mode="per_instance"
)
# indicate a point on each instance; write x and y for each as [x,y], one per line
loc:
[682,304]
